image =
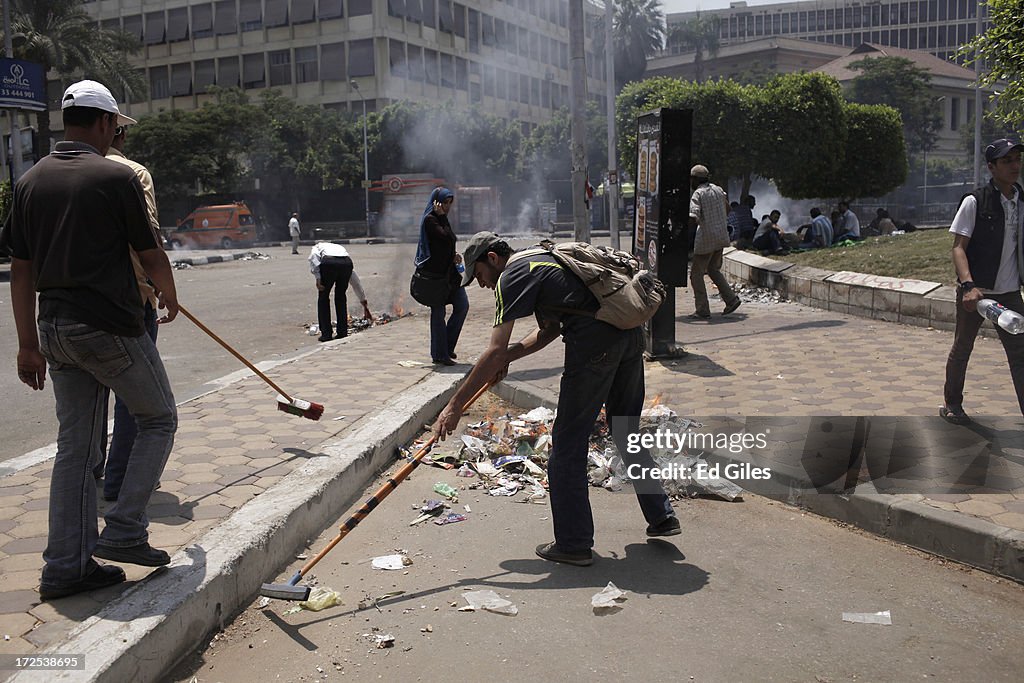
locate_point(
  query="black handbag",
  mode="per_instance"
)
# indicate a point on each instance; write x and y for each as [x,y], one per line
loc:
[430,289]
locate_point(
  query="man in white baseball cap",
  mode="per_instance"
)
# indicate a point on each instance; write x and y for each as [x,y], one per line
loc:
[94,95]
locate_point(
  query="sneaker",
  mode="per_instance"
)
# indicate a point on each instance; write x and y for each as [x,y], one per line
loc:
[699,316]
[732,307]
[954,415]
[100,577]
[666,527]
[143,554]
[580,558]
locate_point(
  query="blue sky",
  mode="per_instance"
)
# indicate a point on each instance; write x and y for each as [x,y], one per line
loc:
[672,6]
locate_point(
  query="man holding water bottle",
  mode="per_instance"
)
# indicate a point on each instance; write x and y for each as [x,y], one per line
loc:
[988,255]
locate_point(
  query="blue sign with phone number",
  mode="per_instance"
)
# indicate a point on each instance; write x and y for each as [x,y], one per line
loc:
[22,85]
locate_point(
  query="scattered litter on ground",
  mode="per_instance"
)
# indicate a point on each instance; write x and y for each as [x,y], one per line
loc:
[369,601]
[883,618]
[263,602]
[761,295]
[443,489]
[380,640]
[608,600]
[451,518]
[391,562]
[488,601]
[410,363]
[320,598]
[181,265]
[301,556]
[360,324]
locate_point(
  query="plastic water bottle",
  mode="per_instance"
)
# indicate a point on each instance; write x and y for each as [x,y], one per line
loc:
[1011,321]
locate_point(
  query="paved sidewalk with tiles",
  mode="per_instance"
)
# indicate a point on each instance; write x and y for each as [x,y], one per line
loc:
[765,359]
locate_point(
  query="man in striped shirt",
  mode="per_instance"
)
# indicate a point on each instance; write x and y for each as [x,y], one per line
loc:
[709,208]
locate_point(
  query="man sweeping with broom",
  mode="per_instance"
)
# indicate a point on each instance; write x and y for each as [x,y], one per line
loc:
[74,217]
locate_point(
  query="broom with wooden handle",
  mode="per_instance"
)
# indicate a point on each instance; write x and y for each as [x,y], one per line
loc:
[292,590]
[285,403]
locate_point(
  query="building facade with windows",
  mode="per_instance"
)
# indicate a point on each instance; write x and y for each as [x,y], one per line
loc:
[935,26]
[509,57]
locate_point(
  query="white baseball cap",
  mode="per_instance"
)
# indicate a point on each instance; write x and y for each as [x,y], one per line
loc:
[95,95]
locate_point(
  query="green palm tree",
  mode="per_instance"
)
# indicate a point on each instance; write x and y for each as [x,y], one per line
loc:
[638,33]
[699,34]
[63,37]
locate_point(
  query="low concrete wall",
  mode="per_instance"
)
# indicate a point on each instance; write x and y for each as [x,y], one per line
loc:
[898,300]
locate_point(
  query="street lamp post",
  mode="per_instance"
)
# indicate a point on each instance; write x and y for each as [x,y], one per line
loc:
[366,159]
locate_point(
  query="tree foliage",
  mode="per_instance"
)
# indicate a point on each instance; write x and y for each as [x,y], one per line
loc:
[62,36]
[1001,49]
[638,33]
[898,83]
[699,34]
[547,151]
[797,131]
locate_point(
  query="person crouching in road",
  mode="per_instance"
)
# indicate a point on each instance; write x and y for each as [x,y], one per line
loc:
[332,267]
[603,367]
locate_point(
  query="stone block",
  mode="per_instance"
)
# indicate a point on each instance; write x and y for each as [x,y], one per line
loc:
[862,297]
[838,293]
[887,300]
[913,305]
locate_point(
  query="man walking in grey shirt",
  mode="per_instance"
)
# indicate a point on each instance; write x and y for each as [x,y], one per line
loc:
[709,208]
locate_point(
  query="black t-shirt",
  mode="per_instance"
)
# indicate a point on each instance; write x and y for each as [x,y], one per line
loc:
[75,214]
[539,285]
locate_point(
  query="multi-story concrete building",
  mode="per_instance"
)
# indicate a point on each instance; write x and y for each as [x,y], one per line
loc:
[935,26]
[510,58]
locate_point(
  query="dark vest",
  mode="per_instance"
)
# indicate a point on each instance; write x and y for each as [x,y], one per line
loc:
[985,250]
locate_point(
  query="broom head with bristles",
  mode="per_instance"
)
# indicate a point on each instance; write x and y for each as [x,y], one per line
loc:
[296,406]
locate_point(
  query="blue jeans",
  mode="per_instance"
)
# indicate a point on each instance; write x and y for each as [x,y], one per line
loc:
[604,368]
[85,362]
[125,430]
[444,336]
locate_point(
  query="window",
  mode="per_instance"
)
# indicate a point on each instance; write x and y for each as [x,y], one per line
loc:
[155,31]
[280,67]
[447,71]
[524,88]
[460,19]
[359,8]
[415,58]
[360,58]
[414,11]
[224,20]
[396,58]
[227,72]
[430,67]
[181,79]
[430,13]
[159,84]
[474,93]
[206,75]
[501,84]
[133,25]
[487,23]
[396,8]
[332,60]
[177,24]
[276,13]
[250,15]
[954,113]
[473,28]
[445,20]
[202,21]
[306,64]
[488,80]
[303,12]
[461,74]
[254,71]
[534,91]
[330,9]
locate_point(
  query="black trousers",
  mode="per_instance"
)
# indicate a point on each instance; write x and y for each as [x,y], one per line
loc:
[335,272]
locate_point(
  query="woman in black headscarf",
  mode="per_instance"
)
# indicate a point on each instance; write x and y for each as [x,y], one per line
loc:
[436,257]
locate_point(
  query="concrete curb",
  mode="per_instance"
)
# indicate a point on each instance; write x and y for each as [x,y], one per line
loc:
[146,631]
[977,542]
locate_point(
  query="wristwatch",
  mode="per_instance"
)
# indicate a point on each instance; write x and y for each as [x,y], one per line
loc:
[966,286]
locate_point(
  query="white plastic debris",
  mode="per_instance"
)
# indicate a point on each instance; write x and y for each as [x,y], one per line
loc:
[411,363]
[659,411]
[883,618]
[320,598]
[476,447]
[540,414]
[263,602]
[608,601]
[391,562]
[488,601]
[380,640]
